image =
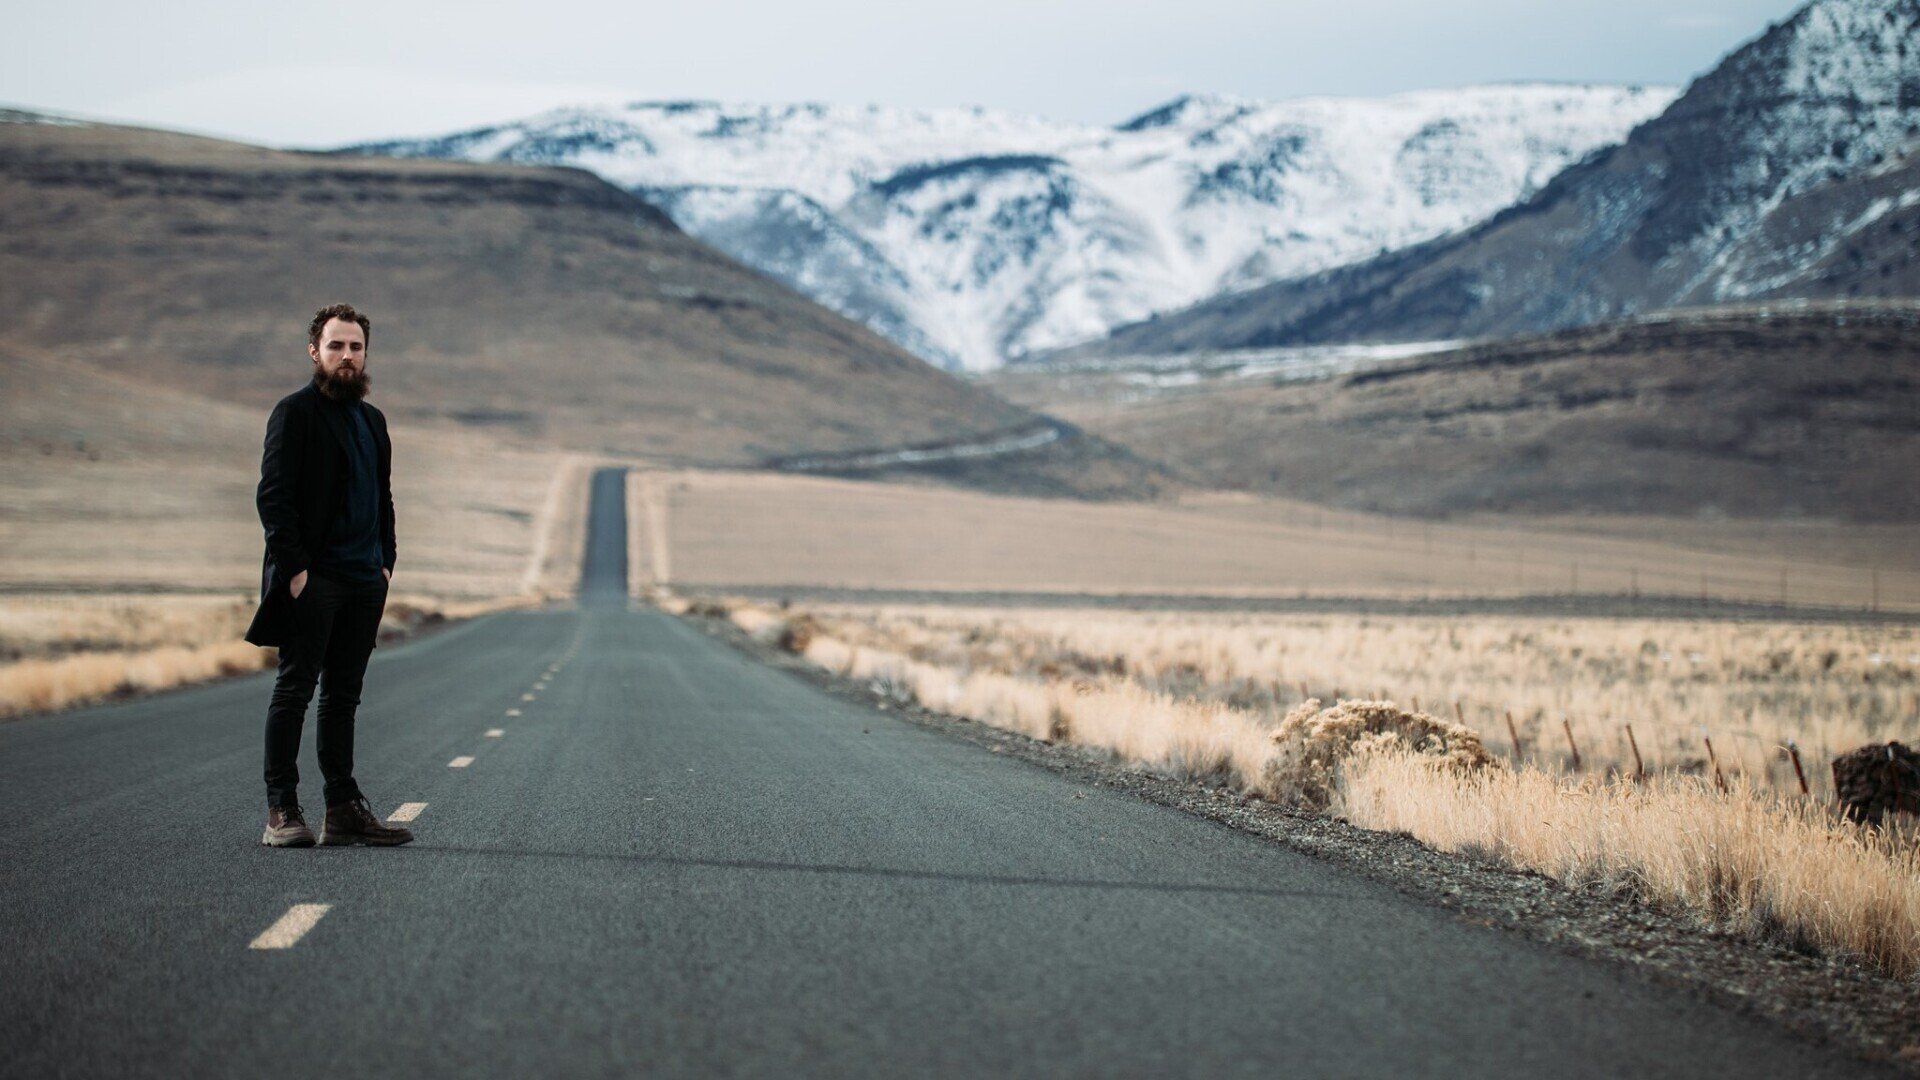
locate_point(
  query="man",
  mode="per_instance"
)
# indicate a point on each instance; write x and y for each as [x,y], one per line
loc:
[326,501]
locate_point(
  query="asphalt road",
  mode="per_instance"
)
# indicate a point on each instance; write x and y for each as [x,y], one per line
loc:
[674,860]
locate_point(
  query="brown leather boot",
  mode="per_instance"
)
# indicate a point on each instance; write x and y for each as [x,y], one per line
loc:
[355,823]
[286,827]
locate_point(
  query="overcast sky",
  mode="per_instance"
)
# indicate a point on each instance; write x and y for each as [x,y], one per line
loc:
[290,72]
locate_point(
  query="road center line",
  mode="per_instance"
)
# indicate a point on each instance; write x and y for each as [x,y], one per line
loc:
[460,762]
[290,927]
[513,712]
[407,811]
[526,697]
[494,732]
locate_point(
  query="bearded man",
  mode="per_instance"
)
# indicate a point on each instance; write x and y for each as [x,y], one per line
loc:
[326,502]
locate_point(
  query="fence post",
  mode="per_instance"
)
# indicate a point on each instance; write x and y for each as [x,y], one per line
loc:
[1513,733]
[1719,780]
[1639,769]
[1793,751]
[1567,726]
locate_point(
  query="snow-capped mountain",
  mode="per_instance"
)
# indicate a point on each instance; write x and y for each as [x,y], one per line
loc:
[972,236]
[1790,170]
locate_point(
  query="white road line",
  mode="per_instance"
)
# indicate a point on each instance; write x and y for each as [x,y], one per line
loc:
[407,811]
[526,697]
[513,712]
[290,927]
[494,732]
[460,762]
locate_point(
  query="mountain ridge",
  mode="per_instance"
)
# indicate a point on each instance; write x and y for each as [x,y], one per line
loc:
[988,235]
[1817,119]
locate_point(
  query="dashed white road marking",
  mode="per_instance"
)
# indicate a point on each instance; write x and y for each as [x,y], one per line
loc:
[290,927]
[494,732]
[407,811]
[460,762]
[526,697]
[513,712]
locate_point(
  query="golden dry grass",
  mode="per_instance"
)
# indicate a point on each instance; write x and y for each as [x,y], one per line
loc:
[1777,870]
[1749,686]
[38,685]
[1757,861]
[58,650]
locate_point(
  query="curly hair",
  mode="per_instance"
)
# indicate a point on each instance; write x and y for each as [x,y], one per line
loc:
[337,311]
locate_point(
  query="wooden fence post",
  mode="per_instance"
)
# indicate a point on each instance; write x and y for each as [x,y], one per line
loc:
[1639,769]
[1567,726]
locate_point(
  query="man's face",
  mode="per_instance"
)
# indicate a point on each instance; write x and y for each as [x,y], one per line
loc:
[342,352]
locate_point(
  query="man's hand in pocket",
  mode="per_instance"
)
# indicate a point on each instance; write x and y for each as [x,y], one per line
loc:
[298,583]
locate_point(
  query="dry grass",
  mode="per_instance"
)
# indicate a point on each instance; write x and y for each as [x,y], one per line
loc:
[65,650]
[1750,687]
[38,685]
[1783,871]
[1745,858]
[731,530]
[62,650]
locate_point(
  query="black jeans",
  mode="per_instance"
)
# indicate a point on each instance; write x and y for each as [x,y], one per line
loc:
[335,623]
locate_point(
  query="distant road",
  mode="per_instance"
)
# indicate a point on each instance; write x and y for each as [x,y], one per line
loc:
[664,858]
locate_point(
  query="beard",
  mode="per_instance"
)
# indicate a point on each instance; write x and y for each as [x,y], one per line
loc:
[341,386]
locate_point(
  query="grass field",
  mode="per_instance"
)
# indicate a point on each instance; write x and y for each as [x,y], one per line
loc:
[734,529]
[1749,687]
[62,649]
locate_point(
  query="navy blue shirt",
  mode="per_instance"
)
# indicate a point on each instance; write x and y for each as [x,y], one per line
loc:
[353,551]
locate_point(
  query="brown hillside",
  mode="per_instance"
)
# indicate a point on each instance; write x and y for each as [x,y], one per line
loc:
[1812,414]
[542,305]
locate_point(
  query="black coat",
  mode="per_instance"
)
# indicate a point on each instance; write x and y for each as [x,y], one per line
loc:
[303,483]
